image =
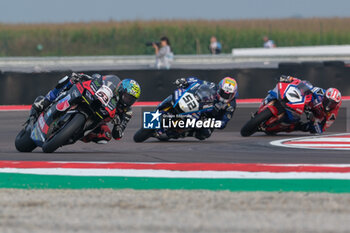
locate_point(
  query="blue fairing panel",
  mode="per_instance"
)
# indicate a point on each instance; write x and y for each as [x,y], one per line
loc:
[273,94]
[177,94]
[291,117]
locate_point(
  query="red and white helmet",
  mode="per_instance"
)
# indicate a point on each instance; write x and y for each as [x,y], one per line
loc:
[331,99]
[227,89]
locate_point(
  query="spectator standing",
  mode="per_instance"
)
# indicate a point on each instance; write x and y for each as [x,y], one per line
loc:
[268,43]
[215,46]
[164,55]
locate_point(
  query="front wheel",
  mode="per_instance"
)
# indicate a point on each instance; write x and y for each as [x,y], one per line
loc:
[23,141]
[68,130]
[253,124]
[143,134]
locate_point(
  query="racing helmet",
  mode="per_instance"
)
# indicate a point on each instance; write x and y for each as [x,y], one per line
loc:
[128,91]
[331,99]
[227,89]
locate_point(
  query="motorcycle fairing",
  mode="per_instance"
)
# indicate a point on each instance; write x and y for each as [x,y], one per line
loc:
[61,111]
[63,104]
[37,134]
[179,93]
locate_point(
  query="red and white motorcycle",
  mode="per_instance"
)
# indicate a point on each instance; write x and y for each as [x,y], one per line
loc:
[281,109]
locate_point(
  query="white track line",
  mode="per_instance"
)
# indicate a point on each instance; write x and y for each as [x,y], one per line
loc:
[313,138]
[179,174]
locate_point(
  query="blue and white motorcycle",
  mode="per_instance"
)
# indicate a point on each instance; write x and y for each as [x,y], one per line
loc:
[192,102]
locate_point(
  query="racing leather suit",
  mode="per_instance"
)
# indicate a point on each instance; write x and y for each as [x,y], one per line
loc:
[320,119]
[221,111]
[102,134]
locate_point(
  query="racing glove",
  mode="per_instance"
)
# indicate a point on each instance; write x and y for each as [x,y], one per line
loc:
[217,107]
[120,125]
[75,77]
[285,79]
[181,82]
[79,77]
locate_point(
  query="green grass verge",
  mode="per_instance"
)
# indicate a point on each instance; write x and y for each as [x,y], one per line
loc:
[24,181]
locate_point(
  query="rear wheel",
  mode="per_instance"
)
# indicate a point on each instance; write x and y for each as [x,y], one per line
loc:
[252,125]
[23,142]
[64,134]
[143,134]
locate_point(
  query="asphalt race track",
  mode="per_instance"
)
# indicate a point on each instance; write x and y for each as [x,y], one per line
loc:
[223,146]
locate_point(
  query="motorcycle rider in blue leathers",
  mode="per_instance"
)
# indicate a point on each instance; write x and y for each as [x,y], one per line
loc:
[224,101]
[128,92]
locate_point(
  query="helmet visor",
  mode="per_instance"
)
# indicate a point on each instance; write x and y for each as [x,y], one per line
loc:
[226,95]
[329,104]
[128,99]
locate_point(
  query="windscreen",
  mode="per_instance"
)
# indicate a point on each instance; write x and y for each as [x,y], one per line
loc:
[205,93]
[108,89]
[111,82]
[305,87]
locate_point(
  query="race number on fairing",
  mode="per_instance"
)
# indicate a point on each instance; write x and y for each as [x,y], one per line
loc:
[104,94]
[293,94]
[188,103]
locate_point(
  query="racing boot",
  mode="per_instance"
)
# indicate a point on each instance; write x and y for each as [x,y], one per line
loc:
[203,133]
[172,134]
[304,127]
[163,137]
[100,135]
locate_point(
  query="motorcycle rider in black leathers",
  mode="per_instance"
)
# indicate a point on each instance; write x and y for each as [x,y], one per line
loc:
[224,102]
[128,91]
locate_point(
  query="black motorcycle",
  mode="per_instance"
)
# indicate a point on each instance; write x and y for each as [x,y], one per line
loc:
[75,113]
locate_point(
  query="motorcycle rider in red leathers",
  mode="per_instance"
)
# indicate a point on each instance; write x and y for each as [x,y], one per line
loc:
[321,111]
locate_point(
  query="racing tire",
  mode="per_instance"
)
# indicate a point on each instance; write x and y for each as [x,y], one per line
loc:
[68,130]
[252,125]
[23,142]
[143,134]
